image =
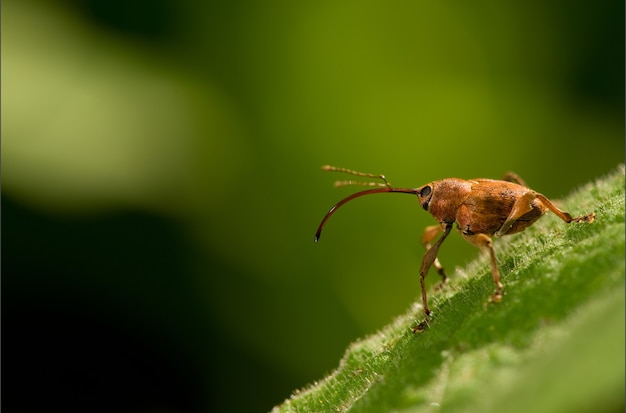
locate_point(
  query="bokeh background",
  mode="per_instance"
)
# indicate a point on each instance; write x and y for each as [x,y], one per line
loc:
[161,179]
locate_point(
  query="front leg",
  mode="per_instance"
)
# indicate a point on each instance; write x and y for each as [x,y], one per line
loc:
[429,258]
[429,235]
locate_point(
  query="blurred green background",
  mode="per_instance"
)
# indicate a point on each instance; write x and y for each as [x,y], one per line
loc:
[161,181]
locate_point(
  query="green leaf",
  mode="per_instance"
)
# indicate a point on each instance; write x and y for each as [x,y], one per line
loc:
[554,344]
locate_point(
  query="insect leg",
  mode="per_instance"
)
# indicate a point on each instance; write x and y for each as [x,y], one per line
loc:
[521,206]
[429,258]
[484,242]
[515,178]
[564,215]
[430,233]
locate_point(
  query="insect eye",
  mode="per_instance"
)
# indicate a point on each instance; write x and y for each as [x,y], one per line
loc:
[424,196]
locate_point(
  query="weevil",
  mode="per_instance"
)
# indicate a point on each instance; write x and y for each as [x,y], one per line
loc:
[481,208]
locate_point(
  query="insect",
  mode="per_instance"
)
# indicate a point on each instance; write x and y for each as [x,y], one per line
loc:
[481,208]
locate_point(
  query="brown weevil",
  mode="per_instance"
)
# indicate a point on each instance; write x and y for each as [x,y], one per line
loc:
[481,208]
